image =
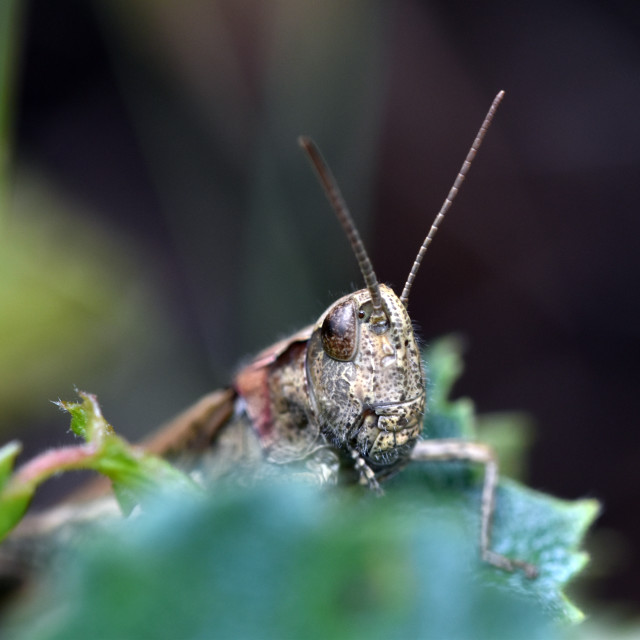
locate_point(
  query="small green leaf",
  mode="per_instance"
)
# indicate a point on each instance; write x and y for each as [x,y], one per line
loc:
[14,504]
[86,418]
[8,455]
[12,508]
[444,367]
[137,476]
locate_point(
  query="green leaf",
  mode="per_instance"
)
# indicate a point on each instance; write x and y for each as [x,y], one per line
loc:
[510,434]
[528,525]
[282,561]
[138,477]
[12,507]
[548,532]
[445,419]
[86,418]
[8,455]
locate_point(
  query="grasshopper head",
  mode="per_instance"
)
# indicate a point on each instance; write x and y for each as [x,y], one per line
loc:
[365,376]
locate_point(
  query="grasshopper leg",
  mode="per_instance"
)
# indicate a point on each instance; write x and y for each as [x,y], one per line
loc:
[433,450]
[367,476]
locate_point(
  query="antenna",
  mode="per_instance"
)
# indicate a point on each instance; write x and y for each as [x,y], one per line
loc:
[404,298]
[337,202]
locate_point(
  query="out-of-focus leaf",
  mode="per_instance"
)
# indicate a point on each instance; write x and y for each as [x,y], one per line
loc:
[13,508]
[528,525]
[510,434]
[282,562]
[8,455]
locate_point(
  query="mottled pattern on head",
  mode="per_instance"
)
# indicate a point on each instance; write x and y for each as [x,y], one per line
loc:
[373,402]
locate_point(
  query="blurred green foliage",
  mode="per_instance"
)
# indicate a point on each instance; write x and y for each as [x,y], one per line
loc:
[281,562]
[64,287]
[285,560]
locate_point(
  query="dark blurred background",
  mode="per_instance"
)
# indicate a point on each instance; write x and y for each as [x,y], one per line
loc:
[164,224]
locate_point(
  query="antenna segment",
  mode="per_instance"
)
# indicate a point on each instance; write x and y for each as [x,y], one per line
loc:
[404,298]
[337,202]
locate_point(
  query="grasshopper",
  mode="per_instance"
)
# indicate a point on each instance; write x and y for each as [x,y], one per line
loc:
[342,400]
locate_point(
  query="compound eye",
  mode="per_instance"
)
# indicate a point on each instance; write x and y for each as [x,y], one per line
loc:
[339,332]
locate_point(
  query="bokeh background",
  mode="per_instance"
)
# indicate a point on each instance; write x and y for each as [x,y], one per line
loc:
[159,223]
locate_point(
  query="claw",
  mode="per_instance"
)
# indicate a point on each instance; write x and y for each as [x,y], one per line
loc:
[508,564]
